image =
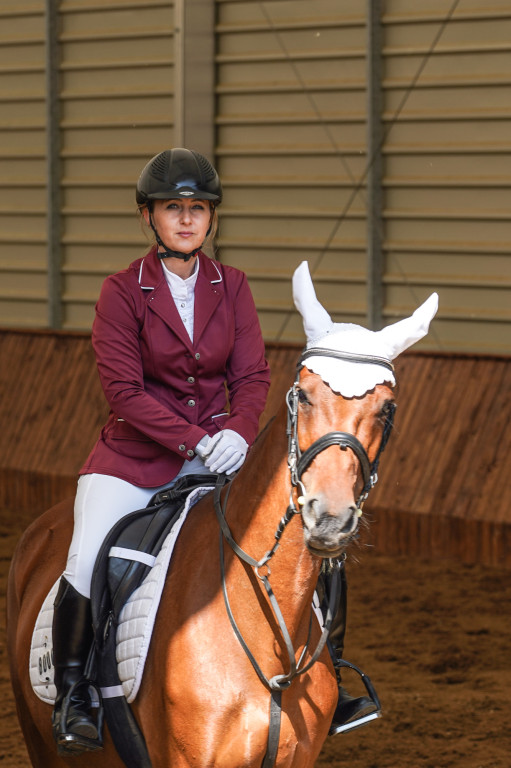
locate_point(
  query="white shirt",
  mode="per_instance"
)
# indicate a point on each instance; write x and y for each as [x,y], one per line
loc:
[183,293]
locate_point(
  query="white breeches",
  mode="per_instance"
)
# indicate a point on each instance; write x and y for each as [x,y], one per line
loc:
[101,501]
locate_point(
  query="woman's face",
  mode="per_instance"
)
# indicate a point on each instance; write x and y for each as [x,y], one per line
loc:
[181,224]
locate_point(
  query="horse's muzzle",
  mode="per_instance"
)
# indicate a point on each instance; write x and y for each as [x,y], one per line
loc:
[328,535]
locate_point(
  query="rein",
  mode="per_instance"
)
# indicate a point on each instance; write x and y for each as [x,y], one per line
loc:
[277,683]
[298,462]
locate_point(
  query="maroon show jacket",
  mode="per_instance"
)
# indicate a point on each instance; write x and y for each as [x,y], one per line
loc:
[165,391]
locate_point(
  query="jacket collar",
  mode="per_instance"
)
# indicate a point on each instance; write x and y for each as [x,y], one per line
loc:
[209,291]
[150,273]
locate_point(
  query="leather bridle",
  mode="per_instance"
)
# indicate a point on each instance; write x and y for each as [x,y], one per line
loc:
[298,462]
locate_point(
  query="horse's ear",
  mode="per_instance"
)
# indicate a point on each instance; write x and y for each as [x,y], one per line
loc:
[316,320]
[401,335]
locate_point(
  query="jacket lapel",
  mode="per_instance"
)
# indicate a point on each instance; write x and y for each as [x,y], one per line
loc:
[158,296]
[209,291]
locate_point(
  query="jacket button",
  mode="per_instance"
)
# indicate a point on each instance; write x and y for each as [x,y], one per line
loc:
[197,355]
[182,447]
[190,453]
[190,380]
[191,403]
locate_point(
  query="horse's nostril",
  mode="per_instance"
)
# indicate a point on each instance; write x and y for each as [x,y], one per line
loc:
[350,521]
[312,509]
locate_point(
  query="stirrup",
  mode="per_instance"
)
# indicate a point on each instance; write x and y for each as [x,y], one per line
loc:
[69,743]
[74,744]
[357,722]
[364,703]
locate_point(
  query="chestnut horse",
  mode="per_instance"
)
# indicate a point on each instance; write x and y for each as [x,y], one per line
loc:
[201,702]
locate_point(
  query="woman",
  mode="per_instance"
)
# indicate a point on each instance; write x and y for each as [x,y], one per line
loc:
[171,334]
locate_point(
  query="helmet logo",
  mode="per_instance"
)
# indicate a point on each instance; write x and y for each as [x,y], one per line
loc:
[186,193]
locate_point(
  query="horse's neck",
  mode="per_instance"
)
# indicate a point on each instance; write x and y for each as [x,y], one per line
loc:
[258,500]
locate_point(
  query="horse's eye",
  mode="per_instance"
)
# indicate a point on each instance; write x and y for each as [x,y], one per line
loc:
[388,409]
[302,397]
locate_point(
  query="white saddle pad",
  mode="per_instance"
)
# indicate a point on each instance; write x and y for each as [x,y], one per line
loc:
[136,623]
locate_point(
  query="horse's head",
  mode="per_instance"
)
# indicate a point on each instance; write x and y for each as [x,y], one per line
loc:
[339,442]
[340,409]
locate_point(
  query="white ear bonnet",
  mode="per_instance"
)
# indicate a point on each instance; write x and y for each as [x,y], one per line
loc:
[354,379]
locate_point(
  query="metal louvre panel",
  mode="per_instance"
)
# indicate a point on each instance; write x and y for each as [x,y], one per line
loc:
[116,112]
[291,124]
[290,101]
[22,159]
[292,153]
[447,161]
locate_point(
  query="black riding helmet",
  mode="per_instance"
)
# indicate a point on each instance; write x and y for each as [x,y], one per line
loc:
[177,174]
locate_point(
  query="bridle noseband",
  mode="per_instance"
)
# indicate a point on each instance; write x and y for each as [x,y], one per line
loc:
[298,461]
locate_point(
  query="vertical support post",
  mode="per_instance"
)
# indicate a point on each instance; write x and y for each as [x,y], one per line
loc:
[194,82]
[375,165]
[53,172]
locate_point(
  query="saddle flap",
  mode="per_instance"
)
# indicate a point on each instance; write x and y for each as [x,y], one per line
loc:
[128,552]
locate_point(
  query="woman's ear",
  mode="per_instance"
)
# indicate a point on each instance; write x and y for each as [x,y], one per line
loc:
[144,210]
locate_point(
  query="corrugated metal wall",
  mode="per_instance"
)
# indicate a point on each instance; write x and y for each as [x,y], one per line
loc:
[292,150]
[291,123]
[22,163]
[116,87]
[448,166]
[116,111]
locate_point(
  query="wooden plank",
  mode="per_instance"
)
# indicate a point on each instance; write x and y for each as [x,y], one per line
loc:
[444,488]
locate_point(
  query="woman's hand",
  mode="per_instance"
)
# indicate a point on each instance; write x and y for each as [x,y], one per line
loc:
[225,452]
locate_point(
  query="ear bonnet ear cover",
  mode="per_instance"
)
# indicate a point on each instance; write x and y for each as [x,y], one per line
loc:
[352,379]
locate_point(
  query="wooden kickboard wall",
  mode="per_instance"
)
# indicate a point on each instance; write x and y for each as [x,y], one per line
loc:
[445,479]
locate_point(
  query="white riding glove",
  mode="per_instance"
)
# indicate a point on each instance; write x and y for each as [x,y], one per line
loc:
[225,452]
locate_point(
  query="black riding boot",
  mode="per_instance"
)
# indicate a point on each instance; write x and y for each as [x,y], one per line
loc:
[351,711]
[76,731]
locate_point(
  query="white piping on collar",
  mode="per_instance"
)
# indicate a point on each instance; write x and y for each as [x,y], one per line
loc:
[144,287]
[151,287]
[220,278]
